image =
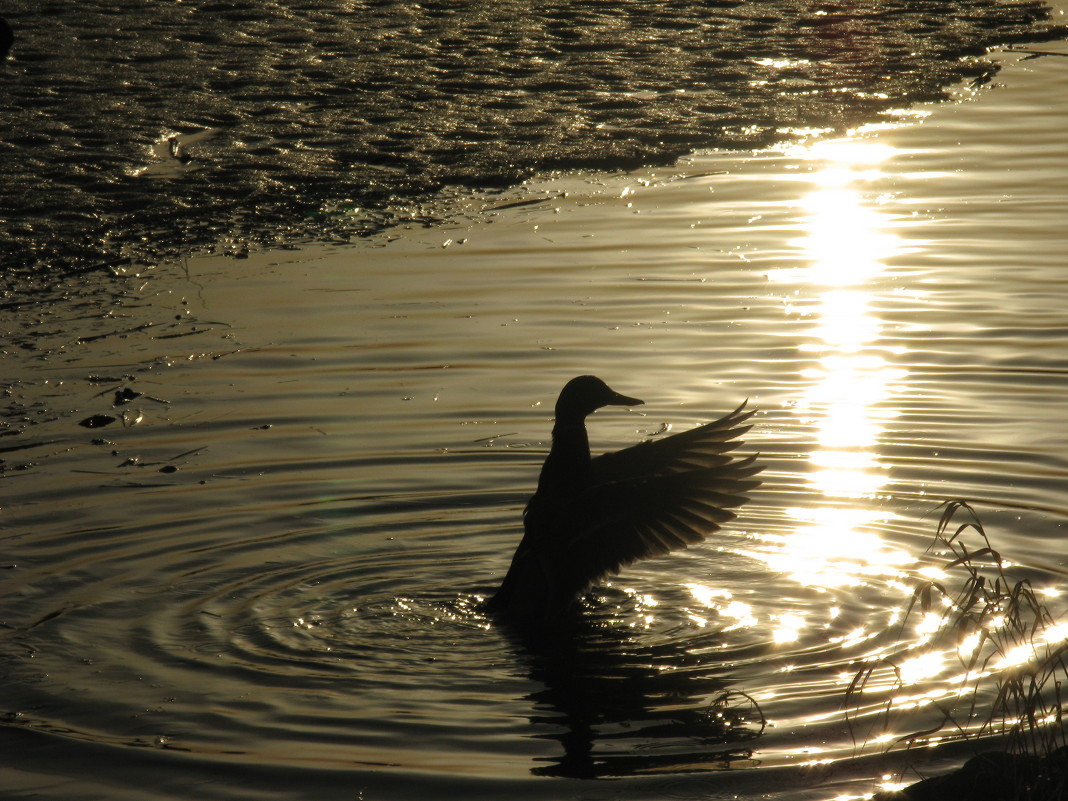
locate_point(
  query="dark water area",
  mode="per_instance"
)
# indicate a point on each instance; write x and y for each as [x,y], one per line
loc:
[135,132]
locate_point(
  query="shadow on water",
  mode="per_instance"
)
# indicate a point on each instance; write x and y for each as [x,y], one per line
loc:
[629,706]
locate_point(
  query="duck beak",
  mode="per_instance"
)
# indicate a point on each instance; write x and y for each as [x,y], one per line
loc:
[623,400]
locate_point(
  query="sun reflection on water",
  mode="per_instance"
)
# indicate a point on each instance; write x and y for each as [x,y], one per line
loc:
[835,281]
[845,239]
[724,605]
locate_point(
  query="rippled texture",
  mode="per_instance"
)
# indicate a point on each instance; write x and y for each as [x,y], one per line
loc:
[261,578]
[136,132]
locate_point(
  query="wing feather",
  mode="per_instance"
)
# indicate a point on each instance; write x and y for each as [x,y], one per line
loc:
[697,449]
[651,516]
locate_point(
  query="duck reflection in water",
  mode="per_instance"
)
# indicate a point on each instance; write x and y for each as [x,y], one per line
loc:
[590,517]
[627,703]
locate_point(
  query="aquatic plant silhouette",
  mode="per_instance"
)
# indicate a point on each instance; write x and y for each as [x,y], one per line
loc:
[1000,629]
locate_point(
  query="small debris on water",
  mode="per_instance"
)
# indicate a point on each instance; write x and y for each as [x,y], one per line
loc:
[98,421]
[125,395]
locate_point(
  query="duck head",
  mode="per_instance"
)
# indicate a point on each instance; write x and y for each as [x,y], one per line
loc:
[586,394]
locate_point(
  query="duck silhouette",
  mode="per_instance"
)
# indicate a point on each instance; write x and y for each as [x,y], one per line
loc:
[590,517]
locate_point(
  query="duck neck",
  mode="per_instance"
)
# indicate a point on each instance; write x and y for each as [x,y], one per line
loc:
[567,467]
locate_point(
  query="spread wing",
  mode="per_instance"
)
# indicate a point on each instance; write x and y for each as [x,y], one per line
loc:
[617,523]
[697,449]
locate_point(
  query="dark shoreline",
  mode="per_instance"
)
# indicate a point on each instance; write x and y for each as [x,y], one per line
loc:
[994,776]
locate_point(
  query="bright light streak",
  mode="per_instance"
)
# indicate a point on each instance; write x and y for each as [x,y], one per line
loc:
[968,645]
[929,624]
[789,628]
[1014,657]
[1055,633]
[921,667]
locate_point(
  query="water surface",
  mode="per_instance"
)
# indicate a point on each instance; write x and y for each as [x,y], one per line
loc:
[261,580]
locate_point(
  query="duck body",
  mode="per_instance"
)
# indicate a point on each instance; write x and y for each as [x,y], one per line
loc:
[592,516]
